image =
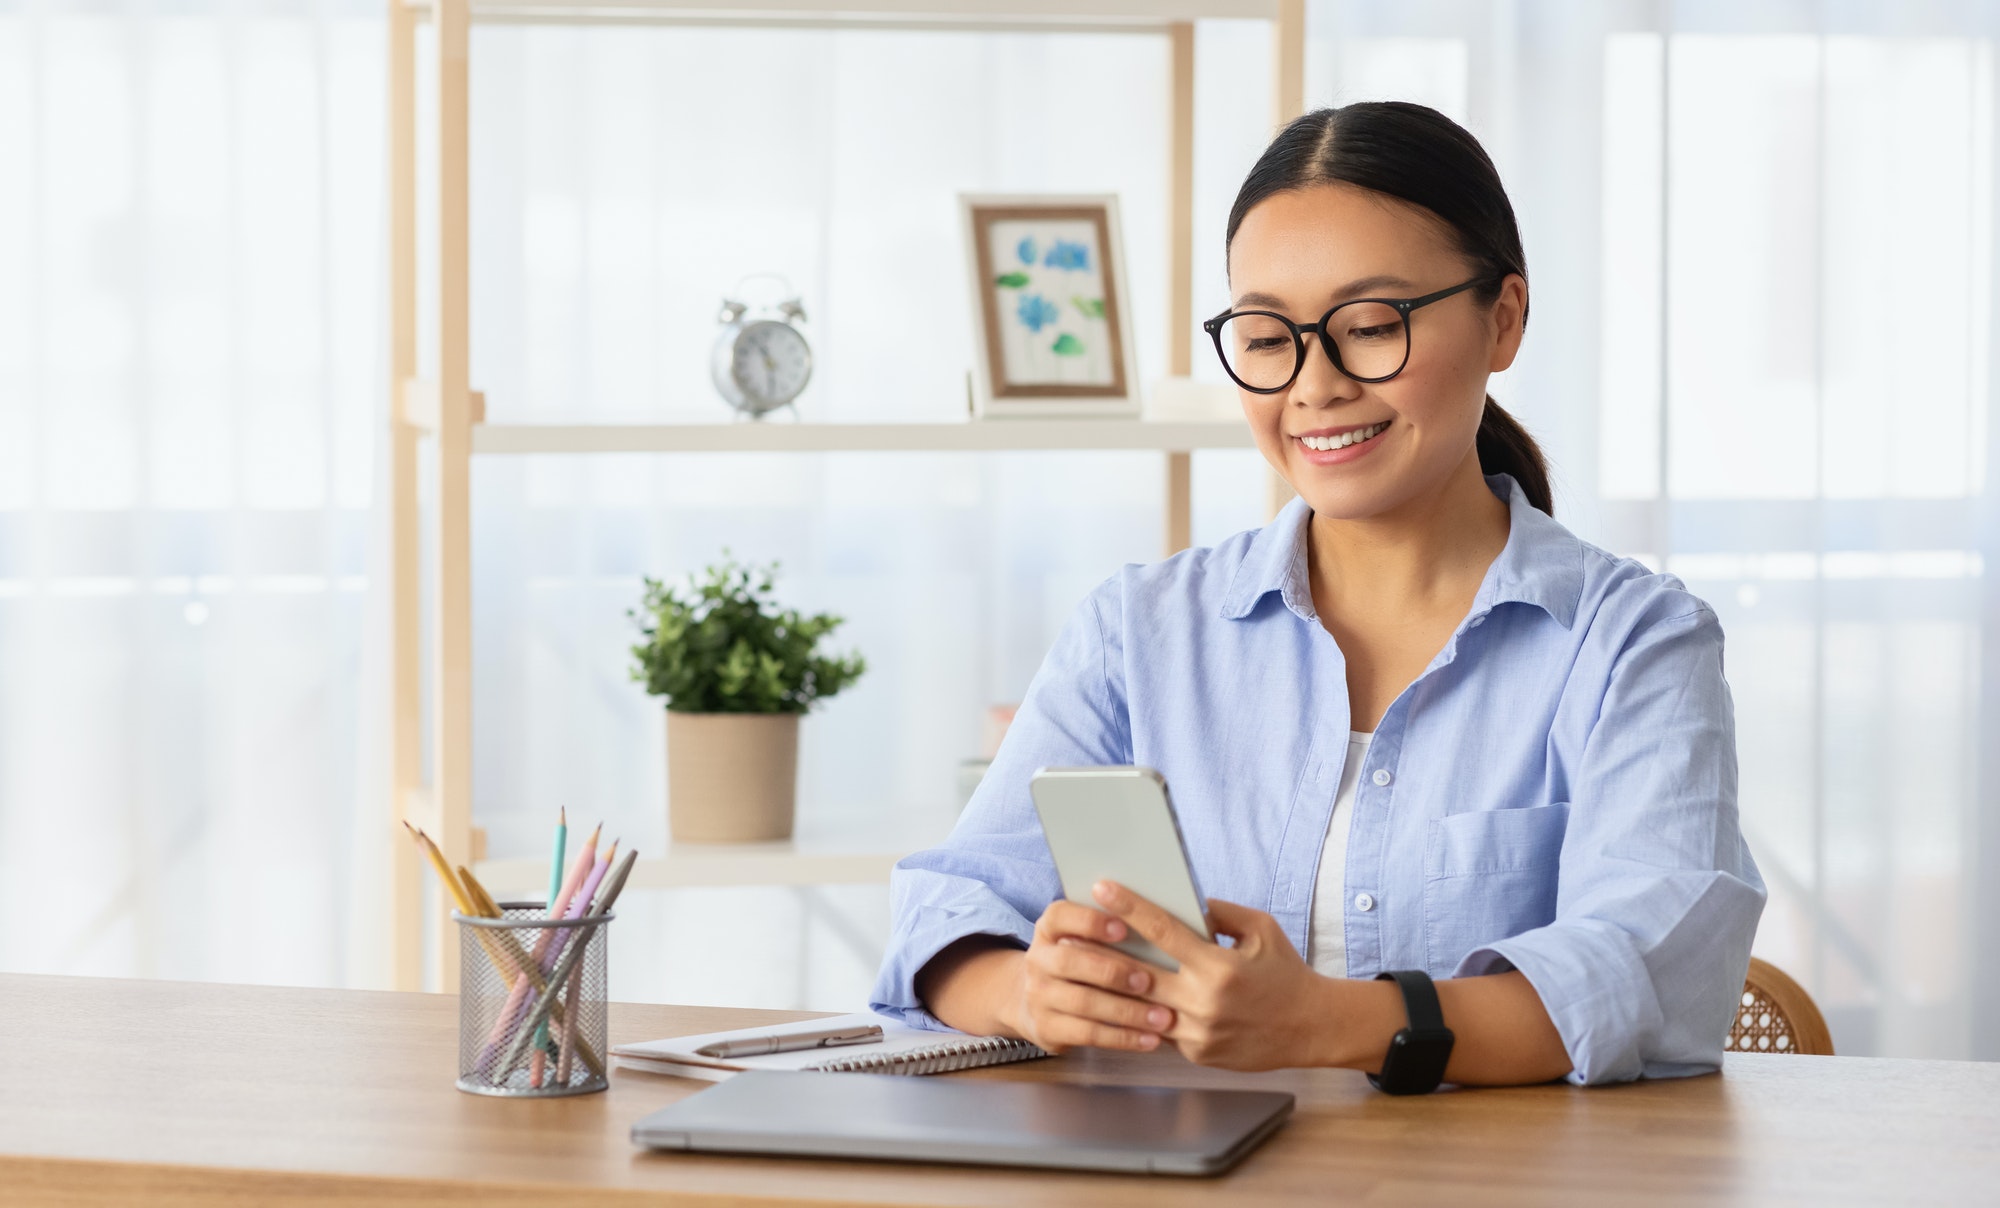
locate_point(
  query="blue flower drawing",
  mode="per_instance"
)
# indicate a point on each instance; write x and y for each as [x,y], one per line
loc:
[1026,250]
[1067,255]
[1037,312]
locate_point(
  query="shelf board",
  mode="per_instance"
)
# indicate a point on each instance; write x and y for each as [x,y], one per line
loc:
[803,860]
[784,436]
[1061,16]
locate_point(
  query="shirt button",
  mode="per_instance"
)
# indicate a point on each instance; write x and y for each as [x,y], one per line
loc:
[1364,902]
[1382,776]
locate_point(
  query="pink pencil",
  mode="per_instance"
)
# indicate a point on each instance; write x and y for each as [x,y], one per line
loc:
[581,902]
[579,869]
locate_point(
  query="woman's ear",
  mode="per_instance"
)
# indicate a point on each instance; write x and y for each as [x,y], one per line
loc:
[1509,318]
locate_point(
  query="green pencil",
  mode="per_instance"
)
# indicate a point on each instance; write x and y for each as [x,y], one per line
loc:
[556,864]
[555,888]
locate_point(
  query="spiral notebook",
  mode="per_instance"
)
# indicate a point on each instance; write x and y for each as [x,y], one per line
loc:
[902,1050]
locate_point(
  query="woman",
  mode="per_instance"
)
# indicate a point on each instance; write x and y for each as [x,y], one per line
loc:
[1411,724]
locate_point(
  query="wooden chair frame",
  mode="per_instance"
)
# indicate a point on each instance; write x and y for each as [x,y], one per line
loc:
[1776,1015]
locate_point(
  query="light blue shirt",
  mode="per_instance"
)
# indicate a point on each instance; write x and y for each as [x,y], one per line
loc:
[1556,793]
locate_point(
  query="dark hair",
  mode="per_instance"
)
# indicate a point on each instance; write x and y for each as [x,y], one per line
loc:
[1419,155]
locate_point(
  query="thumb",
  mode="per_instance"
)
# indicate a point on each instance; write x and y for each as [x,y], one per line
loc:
[1227,918]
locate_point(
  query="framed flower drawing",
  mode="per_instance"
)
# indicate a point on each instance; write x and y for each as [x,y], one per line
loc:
[1054,333]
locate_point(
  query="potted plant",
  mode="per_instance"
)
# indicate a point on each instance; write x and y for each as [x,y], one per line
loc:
[736,672]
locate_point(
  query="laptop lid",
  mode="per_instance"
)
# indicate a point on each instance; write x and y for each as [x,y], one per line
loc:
[1148,1129]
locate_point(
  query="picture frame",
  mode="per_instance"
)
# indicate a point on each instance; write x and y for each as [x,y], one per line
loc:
[1051,313]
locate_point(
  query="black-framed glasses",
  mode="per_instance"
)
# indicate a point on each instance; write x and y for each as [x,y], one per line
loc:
[1368,339]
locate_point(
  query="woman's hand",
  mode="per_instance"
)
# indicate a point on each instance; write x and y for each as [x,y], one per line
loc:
[1074,990]
[1254,1006]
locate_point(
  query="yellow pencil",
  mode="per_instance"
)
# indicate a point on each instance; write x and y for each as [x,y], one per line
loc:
[451,884]
[508,964]
[501,964]
[482,901]
[486,907]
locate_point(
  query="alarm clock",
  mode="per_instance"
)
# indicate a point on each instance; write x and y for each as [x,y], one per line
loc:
[761,362]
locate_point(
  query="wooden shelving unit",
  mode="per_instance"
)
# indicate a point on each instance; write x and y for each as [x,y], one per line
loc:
[779,437]
[861,857]
[437,424]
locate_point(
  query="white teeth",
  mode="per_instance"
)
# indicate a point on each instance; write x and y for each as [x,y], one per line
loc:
[1328,443]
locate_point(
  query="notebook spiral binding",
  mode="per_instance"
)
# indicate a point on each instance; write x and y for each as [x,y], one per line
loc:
[938,1058]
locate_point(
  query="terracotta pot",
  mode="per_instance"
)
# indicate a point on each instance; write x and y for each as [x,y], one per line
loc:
[731,777]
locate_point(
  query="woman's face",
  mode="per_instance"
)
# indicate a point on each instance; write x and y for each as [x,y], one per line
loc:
[1304,250]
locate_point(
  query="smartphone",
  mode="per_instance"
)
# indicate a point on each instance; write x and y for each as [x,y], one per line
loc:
[1118,824]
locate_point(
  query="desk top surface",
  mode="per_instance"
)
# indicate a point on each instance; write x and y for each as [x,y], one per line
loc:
[183,1093]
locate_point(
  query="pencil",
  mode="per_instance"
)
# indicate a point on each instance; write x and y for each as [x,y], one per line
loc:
[482,907]
[555,888]
[566,1053]
[451,884]
[613,885]
[581,902]
[556,862]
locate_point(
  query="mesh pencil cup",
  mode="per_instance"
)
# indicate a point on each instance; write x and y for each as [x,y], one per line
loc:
[529,984]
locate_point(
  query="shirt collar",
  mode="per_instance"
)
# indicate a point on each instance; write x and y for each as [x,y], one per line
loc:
[1541,564]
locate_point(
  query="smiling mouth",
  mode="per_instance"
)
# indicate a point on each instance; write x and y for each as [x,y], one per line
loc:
[1326,444]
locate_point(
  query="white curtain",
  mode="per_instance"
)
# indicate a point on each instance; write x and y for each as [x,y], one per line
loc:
[1759,236]
[190,265]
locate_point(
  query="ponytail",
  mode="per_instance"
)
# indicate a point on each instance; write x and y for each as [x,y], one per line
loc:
[1506,448]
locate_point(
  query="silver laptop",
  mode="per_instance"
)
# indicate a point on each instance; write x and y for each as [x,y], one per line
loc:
[1145,1129]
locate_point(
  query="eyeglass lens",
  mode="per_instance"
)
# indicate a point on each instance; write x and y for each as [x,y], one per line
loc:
[1371,339]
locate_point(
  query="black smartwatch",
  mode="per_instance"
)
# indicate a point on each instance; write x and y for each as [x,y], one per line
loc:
[1417,1054]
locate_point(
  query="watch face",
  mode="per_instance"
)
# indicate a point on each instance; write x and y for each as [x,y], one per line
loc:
[1414,1064]
[771,364]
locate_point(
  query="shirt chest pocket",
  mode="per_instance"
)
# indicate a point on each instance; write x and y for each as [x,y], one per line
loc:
[1494,841]
[1488,875]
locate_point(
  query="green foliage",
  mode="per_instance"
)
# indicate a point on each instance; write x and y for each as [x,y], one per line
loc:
[720,644]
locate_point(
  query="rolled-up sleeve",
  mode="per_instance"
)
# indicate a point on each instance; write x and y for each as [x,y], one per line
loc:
[1658,898]
[993,875]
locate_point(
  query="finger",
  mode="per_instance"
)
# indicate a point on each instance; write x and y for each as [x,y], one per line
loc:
[1065,1029]
[1168,933]
[1094,965]
[1064,917]
[1101,1006]
[1230,919]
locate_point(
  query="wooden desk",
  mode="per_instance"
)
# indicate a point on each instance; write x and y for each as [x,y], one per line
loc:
[173,1093]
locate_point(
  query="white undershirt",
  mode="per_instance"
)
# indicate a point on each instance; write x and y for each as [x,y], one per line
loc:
[1326,939]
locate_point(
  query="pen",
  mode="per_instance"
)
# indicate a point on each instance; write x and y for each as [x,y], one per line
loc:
[757,1045]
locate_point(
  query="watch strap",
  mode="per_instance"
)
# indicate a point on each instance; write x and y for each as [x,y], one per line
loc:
[1420,998]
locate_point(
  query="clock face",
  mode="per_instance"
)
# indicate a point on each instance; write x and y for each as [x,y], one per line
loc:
[770,363]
